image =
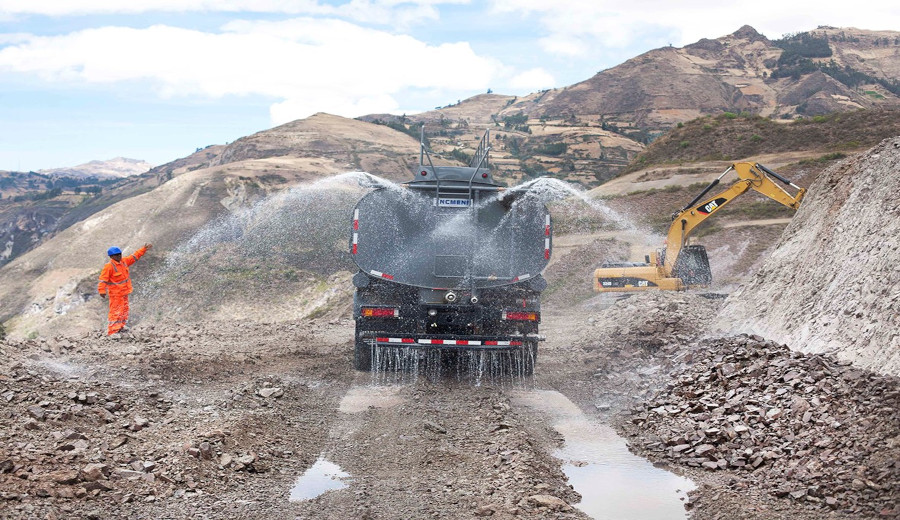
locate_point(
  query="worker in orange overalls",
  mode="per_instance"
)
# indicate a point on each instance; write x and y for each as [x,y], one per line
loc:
[116,282]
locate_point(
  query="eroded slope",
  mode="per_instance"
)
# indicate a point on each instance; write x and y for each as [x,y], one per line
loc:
[832,284]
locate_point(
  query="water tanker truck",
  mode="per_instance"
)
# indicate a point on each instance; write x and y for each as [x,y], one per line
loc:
[449,263]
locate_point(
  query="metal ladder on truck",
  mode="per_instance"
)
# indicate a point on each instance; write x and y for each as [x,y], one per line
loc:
[479,161]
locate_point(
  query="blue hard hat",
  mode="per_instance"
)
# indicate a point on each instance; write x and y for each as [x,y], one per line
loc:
[113,251]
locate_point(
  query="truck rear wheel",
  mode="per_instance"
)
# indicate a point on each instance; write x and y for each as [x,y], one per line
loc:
[362,354]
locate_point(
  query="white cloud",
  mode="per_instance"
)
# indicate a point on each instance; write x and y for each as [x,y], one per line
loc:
[311,65]
[578,27]
[332,103]
[533,79]
[397,12]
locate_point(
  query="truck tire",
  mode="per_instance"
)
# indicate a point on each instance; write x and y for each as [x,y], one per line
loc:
[362,355]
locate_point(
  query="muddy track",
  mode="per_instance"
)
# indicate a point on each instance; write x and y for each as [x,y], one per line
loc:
[220,420]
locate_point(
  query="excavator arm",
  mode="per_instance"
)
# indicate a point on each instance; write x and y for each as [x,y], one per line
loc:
[680,265]
[750,176]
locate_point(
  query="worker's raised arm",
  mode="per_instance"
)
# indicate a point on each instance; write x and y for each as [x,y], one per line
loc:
[134,257]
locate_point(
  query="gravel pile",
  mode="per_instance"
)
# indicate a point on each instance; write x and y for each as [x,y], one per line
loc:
[78,439]
[804,428]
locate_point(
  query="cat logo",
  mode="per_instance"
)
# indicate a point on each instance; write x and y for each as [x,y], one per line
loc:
[712,205]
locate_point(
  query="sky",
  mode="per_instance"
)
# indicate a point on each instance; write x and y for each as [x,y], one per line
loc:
[156,79]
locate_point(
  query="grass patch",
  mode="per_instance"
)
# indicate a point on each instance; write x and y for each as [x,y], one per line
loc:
[828,157]
[733,137]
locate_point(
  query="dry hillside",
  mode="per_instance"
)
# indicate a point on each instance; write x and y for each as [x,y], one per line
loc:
[741,71]
[58,277]
[732,136]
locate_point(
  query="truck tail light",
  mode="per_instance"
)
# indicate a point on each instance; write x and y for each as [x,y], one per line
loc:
[521,316]
[380,312]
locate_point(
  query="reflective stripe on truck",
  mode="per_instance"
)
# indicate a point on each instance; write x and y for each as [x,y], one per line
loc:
[547,240]
[355,230]
[460,342]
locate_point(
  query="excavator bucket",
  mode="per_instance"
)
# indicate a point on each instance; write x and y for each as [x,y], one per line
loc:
[692,266]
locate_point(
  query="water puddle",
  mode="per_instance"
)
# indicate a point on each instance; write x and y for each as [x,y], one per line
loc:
[361,398]
[614,483]
[320,477]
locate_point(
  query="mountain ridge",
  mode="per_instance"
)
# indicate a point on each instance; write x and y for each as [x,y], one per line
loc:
[117,167]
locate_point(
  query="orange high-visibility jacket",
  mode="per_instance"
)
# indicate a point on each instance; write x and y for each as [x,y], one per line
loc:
[114,278]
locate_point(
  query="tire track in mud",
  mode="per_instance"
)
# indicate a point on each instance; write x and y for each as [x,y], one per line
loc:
[441,450]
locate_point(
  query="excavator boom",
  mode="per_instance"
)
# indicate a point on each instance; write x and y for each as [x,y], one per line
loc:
[679,265]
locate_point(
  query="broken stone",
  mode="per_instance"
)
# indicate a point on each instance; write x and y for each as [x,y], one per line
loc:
[126,474]
[550,502]
[485,511]
[63,476]
[247,459]
[138,423]
[206,450]
[270,392]
[37,412]
[118,441]
[434,427]
[225,460]
[93,472]
[704,448]
[97,485]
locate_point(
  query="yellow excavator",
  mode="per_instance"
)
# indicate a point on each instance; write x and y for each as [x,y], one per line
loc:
[679,265]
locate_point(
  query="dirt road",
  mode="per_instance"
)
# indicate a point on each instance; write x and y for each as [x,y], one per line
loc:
[220,420]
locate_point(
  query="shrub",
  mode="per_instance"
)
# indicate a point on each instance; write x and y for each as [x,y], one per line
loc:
[552,149]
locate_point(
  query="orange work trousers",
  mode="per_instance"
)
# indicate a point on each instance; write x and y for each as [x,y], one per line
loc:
[118,313]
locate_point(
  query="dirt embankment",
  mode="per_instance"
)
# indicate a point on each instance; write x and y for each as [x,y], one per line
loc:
[831,284]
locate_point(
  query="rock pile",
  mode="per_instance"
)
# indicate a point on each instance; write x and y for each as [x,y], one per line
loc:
[805,428]
[125,422]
